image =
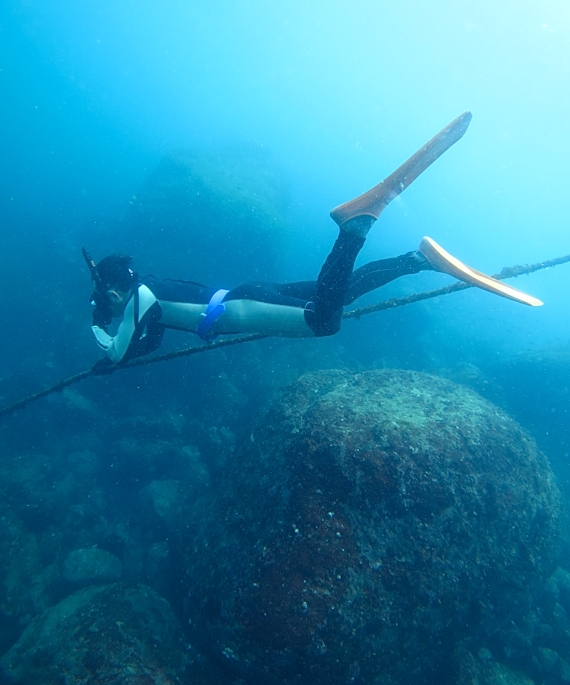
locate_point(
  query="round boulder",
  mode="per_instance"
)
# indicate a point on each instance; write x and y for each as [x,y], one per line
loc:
[106,634]
[370,524]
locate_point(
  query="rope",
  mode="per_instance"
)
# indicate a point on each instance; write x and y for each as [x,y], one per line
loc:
[507,272]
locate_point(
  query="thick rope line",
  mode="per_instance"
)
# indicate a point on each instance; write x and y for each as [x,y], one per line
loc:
[507,272]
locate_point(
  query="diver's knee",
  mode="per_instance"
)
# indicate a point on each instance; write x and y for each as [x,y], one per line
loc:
[320,326]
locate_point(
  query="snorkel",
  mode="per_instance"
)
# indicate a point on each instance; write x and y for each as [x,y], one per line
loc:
[102,315]
[92,268]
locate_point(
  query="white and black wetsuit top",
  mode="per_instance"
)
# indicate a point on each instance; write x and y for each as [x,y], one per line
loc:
[268,308]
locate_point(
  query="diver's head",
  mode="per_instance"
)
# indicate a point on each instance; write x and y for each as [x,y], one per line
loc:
[114,273]
[114,281]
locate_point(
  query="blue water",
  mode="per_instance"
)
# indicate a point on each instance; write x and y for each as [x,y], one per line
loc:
[336,95]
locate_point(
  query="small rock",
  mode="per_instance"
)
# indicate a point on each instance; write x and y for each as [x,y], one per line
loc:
[564,671]
[544,632]
[562,579]
[551,593]
[501,674]
[92,567]
[166,498]
[561,617]
[547,658]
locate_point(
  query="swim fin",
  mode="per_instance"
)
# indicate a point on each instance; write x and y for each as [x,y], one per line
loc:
[442,261]
[374,201]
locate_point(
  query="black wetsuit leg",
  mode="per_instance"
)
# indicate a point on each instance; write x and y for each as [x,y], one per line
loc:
[322,301]
[324,313]
[376,274]
[337,285]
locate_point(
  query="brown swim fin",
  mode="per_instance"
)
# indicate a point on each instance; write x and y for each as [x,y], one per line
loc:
[442,261]
[373,202]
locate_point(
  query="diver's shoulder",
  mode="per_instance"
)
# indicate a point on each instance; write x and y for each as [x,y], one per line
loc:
[146,297]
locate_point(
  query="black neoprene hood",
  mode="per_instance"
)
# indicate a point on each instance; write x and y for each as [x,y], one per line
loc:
[114,272]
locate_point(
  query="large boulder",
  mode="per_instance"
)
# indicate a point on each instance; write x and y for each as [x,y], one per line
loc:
[371,523]
[106,634]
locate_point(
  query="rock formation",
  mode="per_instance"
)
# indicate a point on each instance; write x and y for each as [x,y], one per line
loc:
[104,634]
[217,217]
[371,523]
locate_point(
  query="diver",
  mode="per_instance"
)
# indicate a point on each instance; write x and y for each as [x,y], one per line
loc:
[149,306]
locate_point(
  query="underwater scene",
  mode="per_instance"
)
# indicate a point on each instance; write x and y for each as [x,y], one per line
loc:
[285,344]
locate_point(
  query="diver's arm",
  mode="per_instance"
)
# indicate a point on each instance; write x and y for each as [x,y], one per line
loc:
[151,334]
[132,327]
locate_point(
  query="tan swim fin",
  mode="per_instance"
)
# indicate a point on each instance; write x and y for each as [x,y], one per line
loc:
[373,202]
[442,261]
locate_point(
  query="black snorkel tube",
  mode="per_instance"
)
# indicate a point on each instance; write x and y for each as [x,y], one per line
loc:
[92,268]
[102,315]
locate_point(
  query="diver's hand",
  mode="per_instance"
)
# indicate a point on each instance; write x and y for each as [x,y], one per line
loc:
[101,317]
[103,339]
[103,367]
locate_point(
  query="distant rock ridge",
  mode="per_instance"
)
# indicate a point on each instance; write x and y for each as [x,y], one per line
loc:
[219,214]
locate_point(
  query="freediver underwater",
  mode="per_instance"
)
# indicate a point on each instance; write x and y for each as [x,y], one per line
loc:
[148,306]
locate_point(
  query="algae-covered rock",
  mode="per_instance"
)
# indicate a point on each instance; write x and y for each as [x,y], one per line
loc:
[561,578]
[92,566]
[24,580]
[105,634]
[370,524]
[482,669]
[219,214]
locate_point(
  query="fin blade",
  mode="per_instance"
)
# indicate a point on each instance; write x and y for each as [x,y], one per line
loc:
[374,201]
[442,261]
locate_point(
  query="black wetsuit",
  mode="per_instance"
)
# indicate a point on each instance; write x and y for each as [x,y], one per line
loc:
[298,309]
